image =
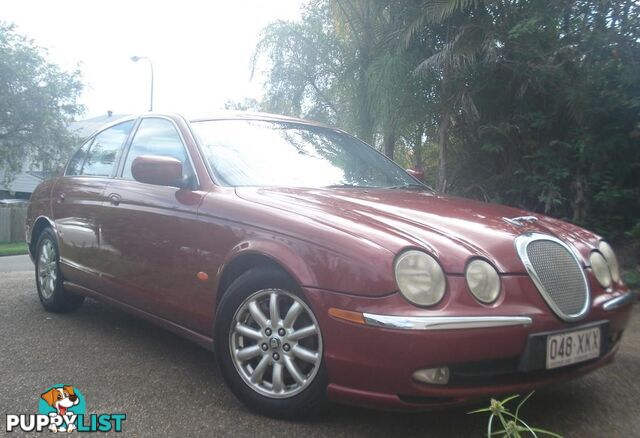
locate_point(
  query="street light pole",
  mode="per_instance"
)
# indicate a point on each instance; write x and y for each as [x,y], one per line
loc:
[138,58]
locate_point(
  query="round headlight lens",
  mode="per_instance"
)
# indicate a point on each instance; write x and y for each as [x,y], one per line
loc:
[483,281]
[611,259]
[600,269]
[420,278]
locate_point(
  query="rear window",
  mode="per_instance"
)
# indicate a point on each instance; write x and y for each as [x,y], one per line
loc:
[105,150]
[75,164]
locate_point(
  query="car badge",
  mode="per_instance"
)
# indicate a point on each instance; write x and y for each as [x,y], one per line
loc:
[520,220]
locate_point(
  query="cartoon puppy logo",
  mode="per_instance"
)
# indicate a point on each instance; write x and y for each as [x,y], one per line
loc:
[61,399]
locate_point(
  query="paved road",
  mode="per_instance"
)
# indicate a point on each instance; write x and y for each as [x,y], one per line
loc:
[169,387]
[17,263]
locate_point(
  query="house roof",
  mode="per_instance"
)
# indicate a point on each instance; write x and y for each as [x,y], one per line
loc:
[22,182]
[84,128]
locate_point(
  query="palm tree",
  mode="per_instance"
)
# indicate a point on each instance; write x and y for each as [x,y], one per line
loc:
[463,31]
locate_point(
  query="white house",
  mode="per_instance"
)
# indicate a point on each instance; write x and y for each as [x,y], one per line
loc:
[24,182]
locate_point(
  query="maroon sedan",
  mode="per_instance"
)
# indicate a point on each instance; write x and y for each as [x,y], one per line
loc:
[318,268]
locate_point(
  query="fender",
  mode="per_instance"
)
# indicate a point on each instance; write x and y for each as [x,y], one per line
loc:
[317,266]
[279,253]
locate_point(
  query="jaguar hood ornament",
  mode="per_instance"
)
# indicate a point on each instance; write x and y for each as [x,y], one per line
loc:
[520,220]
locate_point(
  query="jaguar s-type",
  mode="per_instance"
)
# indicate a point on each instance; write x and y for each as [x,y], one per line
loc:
[320,270]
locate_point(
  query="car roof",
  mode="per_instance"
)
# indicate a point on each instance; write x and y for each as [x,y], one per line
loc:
[250,115]
[218,115]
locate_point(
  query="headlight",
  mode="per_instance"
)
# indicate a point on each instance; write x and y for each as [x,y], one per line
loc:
[611,259]
[600,269]
[483,281]
[420,278]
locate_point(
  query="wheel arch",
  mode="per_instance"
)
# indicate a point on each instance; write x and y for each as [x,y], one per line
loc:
[247,256]
[39,225]
[243,263]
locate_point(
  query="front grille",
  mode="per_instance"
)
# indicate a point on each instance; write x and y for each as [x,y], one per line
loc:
[557,274]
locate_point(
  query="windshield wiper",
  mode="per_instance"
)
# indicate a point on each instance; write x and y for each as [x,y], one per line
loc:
[409,187]
[398,187]
[340,186]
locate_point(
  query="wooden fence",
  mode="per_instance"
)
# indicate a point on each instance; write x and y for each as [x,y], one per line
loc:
[12,222]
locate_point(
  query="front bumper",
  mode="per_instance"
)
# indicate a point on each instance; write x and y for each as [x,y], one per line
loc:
[487,348]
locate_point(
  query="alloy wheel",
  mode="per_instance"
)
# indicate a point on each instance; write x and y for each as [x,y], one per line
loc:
[47,269]
[275,343]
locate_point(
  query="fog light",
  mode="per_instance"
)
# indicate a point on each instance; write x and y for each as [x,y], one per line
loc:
[435,376]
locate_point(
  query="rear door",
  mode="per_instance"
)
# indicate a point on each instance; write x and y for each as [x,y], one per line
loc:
[78,204]
[150,232]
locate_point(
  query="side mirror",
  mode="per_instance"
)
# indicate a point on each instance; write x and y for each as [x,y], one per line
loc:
[416,173]
[157,170]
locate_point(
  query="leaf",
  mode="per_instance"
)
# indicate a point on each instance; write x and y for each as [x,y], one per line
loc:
[508,399]
[522,402]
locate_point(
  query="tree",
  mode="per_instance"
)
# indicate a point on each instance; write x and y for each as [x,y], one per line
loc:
[37,101]
[343,64]
[246,104]
[532,103]
[306,62]
[461,35]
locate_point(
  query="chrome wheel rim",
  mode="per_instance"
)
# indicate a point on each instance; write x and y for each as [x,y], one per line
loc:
[47,269]
[275,343]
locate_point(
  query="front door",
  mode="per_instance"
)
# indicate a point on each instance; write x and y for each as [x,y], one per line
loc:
[149,231]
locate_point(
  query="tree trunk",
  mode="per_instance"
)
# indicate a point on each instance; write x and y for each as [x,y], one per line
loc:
[417,149]
[364,115]
[443,145]
[445,121]
[579,203]
[389,142]
[364,118]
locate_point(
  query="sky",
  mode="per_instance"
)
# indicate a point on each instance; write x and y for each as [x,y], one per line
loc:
[201,50]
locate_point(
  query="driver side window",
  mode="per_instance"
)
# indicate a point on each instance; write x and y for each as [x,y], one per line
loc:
[157,137]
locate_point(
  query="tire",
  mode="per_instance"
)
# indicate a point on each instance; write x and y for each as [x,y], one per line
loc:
[276,392]
[49,281]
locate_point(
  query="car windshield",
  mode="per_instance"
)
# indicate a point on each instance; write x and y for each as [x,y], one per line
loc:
[284,154]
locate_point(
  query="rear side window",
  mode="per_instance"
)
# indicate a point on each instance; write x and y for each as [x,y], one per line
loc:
[75,164]
[157,137]
[105,150]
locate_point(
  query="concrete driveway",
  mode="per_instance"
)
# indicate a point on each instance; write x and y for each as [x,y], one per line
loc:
[19,263]
[168,386]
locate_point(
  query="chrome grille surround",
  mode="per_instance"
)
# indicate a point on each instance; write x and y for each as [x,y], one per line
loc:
[557,273]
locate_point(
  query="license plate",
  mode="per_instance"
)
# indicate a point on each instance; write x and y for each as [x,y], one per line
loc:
[572,347]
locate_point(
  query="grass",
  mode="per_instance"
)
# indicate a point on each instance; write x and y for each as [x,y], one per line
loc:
[14,248]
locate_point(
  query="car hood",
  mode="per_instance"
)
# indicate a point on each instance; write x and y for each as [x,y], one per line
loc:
[453,229]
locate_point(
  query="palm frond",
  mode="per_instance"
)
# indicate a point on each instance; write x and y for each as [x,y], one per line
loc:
[472,42]
[417,24]
[440,10]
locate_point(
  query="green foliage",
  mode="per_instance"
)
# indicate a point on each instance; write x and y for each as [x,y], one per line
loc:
[37,100]
[345,64]
[531,103]
[306,61]
[513,426]
[561,104]
[632,279]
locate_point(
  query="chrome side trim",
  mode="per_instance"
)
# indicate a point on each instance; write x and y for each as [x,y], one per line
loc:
[521,243]
[619,301]
[443,322]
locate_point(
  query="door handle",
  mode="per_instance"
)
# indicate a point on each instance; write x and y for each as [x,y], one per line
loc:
[114,199]
[60,198]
